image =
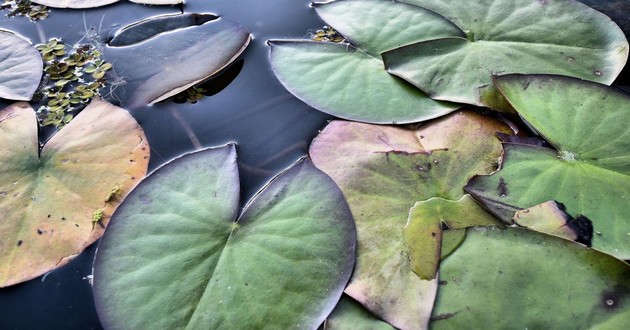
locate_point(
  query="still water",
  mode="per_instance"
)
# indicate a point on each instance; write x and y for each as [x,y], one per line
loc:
[271,127]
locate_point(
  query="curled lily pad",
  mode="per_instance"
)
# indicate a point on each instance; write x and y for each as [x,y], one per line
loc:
[520,277]
[507,36]
[98,3]
[56,201]
[383,171]
[178,255]
[165,64]
[348,80]
[21,67]
[589,171]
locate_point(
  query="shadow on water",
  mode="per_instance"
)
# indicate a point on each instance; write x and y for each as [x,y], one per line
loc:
[247,105]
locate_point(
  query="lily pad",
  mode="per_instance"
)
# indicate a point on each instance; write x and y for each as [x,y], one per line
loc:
[21,67]
[178,255]
[589,173]
[349,314]
[165,64]
[383,171]
[423,232]
[520,278]
[551,218]
[510,36]
[50,198]
[349,80]
[76,4]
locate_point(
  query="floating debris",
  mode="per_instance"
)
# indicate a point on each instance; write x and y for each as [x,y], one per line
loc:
[34,12]
[327,34]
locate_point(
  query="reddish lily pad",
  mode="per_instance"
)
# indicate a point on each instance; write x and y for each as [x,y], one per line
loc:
[49,198]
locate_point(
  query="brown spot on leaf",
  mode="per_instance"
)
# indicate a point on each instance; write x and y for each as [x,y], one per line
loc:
[19,243]
[39,231]
[444,316]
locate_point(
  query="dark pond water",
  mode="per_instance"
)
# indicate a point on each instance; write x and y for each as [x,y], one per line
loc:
[250,107]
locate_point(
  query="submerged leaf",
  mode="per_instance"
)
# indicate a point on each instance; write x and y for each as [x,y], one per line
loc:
[590,173]
[510,36]
[349,81]
[178,249]
[520,277]
[21,67]
[383,171]
[166,64]
[48,199]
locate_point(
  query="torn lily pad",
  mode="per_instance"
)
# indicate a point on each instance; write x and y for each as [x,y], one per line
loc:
[49,196]
[551,218]
[520,277]
[349,80]
[589,170]
[179,255]
[164,64]
[21,67]
[423,232]
[506,36]
[383,171]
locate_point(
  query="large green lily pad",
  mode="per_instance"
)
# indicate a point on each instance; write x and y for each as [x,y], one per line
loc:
[517,278]
[98,3]
[349,80]
[21,67]
[383,171]
[590,171]
[178,255]
[50,197]
[510,36]
[164,64]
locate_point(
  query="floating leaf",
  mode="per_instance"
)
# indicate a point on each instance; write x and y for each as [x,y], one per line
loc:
[349,81]
[590,173]
[148,28]
[383,171]
[520,278]
[510,36]
[98,3]
[168,63]
[21,67]
[176,249]
[349,314]
[48,197]
[551,218]
[423,232]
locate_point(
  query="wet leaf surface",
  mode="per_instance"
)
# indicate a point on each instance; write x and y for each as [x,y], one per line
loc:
[383,171]
[48,200]
[520,277]
[168,63]
[349,81]
[589,173]
[507,36]
[21,67]
[178,247]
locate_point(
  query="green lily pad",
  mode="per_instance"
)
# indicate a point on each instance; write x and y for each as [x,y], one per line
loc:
[21,67]
[510,36]
[165,64]
[524,279]
[349,80]
[56,201]
[383,171]
[177,256]
[590,173]
[349,314]
[151,27]
[423,232]
[76,4]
